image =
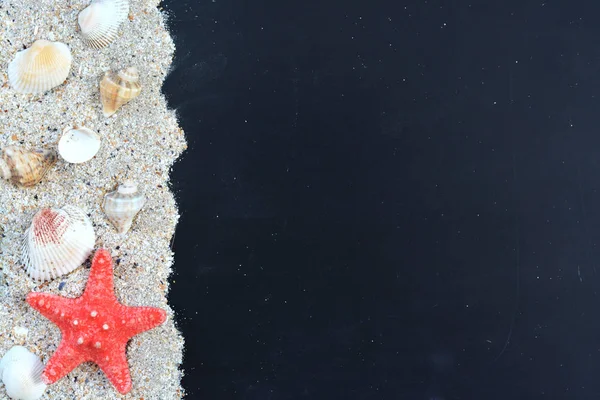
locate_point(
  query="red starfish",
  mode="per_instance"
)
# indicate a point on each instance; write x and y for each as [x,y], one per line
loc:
[94,327]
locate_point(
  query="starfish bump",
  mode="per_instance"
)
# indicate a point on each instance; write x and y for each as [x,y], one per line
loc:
[94,327]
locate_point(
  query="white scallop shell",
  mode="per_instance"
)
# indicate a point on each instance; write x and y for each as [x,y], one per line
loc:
[21,373]
[41,67]
[57,242]
[100,21]
[78,145]
[122,205]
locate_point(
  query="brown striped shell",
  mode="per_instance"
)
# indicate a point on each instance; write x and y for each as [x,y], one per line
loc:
[119,88]
[25,167]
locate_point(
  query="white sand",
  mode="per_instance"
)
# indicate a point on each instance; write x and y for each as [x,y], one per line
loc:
[141,141]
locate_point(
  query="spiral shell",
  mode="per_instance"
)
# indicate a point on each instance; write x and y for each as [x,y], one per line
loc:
[40,68]
[100,21]
[119,88]
[122,205]
[21,373]
[57,242]
[26,167]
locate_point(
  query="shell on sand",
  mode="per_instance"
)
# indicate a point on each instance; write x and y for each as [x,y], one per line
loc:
[100,21]
[122,205]
[40,68]
[78,145]
[25,167]
[57,242]
[119,88]
[21,373]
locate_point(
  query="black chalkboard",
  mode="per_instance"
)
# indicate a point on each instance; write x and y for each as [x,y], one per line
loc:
[387,200]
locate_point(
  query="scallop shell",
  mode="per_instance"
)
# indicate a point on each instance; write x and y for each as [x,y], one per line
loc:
[119,88]
[78,145]
[21,373]
[57,242]
[41,67]
[25,167]
[122,205]
[100,21]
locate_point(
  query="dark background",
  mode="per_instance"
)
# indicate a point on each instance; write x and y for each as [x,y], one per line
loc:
[386,199]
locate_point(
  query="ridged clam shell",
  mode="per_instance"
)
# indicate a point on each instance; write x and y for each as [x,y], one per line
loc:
[122,205]
[21,373]
[25,167]
[57,242]
[78,145]
[119,88]
[100,21]
[40,68]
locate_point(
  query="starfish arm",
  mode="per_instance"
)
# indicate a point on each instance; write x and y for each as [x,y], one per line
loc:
[64,360]
[115,367]
[100,283]
[140,319]
[49,305]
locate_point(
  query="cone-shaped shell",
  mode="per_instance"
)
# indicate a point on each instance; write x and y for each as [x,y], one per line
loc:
[78,145]
[100,21]
[122,205]
[40,68]
[25,167]
[21,373]
[57,242]
[117,89]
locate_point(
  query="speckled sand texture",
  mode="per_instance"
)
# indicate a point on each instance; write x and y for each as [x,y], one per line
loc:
[141,141]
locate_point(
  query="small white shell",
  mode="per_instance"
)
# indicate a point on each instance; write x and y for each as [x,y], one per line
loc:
[20,331]
[21,372]
[78,145]
[100,21]
[57,242]
[122,205]
[40,68]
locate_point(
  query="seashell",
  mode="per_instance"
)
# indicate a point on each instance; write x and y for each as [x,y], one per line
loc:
[119,88]
[25,167]
[57,242]
[21,373]
[100,21]
[122,205]
[78,145]
[20,331]
[40,68]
